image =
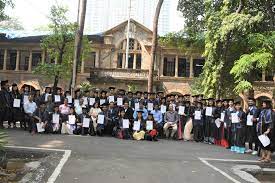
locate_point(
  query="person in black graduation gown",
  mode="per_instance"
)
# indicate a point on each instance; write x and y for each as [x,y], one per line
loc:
[239,138]
[17,114]
[198,123]
[100,129]
[5,103]
[131,99]
[209,123]
[228,122]
[217,116]
[251,133]
[113,116]
[48,91]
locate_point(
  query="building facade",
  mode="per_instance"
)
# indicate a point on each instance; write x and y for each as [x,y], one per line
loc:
[141,10]
[106,65]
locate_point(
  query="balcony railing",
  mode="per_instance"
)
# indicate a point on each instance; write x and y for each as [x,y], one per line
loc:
[131,74]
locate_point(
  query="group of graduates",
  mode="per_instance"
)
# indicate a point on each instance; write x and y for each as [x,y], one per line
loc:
[142,116]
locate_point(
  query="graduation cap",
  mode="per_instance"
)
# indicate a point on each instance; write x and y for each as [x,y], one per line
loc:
[152,93]
[121,91]
[138,92]
[14,84]
[56,105]
[195,96]
[140,111]
[210,99]
[129,92]
[267,101]
[150,114]
[48,87]
[199,102]
[200,95]
[160,92]
[145,92]
[42,103]
[230,99]
[4,82]
[112,88]
[187,95]
[103,91]
[67,92]
[187,102]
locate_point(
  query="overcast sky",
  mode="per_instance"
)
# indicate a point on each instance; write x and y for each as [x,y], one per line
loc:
[33,13]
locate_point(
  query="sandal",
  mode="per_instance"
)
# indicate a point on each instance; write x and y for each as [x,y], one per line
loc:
[267,161]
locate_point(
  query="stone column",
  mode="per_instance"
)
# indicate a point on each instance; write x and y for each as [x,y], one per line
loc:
[97,59]
[43,57]
[263,75]
[135,61]
[191,68]
[82,70]
[5,59]
[177,66]
[161,65]
[123,60]
[17,60]
[115,60]
[30,62]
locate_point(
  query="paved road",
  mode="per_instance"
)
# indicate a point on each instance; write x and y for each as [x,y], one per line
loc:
[110,160]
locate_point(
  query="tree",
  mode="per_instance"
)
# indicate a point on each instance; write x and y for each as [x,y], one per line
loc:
[59,45]
[11,24]
[78,39]
[3,5]
[154,46]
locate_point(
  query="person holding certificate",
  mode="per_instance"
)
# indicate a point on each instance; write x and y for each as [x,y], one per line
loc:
[39,116]
[102,120]
[139,126]
[5,102]
[158,117]
[151,129]
[209,122]
[218,126]
[252,113]
[265,127]
[238,129]
[228,121]
[122,129]
[16,109]
[198,122]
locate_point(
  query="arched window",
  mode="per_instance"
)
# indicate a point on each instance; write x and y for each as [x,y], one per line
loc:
[135,55]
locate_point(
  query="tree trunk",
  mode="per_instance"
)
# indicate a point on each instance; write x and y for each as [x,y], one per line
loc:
[154,47]
[78,42]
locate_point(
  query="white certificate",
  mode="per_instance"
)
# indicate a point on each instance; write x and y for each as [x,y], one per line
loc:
[163,109]
[85,100]
[92,101]
[222,116]
[102,101]
[136,126]
[150,106]
[174,106]
[125,123]
[249,121]
[208,111]
[136,106]
[111,99]
[218,123]
[46,96]
[197,115]
[76,102]
[264,140]
[120,102]
[40,127]
[70,99]
[100,119]
[55,118]
[26,99]
[86,122]
[16,103]
[57,98]
[72,119]
[149,125]
[181,110]
[235,117]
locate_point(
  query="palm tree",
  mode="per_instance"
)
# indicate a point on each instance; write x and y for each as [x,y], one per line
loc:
[154,46]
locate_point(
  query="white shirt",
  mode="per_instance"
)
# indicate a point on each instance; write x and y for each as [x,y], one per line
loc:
[30,107]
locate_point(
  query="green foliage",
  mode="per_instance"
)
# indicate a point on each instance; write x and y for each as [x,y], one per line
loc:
[85,86]
[132,87]
[260,56]
[3,5]
[3,139]
[60,46]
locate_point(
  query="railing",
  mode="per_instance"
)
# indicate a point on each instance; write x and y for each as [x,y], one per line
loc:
[115,73]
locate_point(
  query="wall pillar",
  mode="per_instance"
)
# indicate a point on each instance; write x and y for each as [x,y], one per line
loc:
[97,59]
[30,62]
[135,61]
[123,60]
[191,68]
[177,66]
[161,65]
[82,70]
[43,57]
[17,60]
[5,59]
[263,75]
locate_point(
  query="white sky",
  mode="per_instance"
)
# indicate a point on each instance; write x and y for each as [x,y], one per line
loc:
[33,13]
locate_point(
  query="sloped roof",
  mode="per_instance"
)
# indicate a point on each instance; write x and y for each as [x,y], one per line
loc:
[123,24]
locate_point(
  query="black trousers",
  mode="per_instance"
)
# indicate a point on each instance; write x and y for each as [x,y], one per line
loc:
[198,132]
